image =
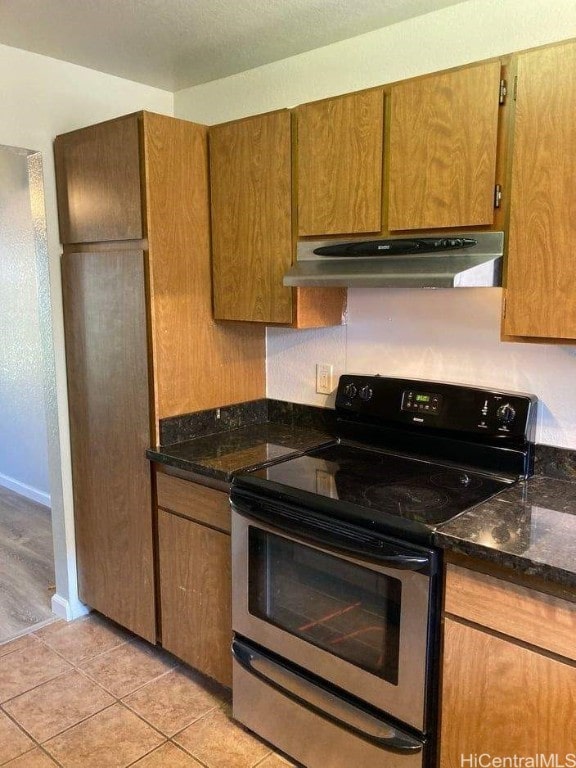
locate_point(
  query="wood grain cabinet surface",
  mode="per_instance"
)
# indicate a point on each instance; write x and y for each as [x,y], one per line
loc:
[195,575]
[99,182]
[108,394]
[253,229]
[541,268]
[251,198]
[509,685]
[443,149]
[141,343]
[340,164]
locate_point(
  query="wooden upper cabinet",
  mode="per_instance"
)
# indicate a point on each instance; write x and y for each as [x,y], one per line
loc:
[340,164]
[443,143]
[541,268]
[339,159]
[98,180]
[252,227]
[251,186]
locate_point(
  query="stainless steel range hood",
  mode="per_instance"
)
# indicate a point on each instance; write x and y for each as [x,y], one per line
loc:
[463,260]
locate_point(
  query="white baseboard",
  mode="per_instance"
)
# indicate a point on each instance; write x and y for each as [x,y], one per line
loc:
[68,609]
[25,490]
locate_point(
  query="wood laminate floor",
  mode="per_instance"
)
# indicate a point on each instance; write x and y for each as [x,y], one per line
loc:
[26,564]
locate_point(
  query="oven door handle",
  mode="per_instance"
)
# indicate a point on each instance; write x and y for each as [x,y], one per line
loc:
[324,703]
[336,536]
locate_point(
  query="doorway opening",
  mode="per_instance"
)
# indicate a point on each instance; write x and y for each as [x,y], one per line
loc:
[27,448]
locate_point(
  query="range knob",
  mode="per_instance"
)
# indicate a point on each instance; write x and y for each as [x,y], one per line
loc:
[351,390]
[366,393]
[505,414]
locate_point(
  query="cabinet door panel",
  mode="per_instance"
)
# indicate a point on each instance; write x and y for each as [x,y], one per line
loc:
[106,356]
[443,140]
[251,188]
[195,588]
[340,164]
[98,182]
[541,268]
[502,699]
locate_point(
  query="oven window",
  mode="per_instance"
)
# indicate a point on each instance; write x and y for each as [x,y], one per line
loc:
[348,610]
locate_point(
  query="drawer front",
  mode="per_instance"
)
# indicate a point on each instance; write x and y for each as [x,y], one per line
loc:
[196,502]
[533,617]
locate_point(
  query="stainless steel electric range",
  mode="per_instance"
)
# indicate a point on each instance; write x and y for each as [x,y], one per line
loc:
[336,583]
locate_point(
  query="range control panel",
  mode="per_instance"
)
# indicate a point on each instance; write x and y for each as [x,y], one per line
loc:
[453,407]
[421,402]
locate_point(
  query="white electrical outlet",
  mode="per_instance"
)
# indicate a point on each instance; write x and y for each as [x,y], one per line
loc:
[324,373]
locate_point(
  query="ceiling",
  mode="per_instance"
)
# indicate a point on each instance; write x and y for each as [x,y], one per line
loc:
[174,44]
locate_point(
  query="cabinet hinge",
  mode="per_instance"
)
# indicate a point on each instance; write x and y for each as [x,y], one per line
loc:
[497,195]
[503,92]
[515,86]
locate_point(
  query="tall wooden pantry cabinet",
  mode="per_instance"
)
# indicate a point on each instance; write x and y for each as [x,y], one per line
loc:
[141,344]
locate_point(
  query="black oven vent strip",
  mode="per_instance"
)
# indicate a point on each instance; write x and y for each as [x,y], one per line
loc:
[332,533]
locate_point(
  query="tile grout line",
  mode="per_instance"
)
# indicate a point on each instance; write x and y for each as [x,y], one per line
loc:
[88,658]
[74,666]
[28,632]
[88,676]
[35,744]
[34,687]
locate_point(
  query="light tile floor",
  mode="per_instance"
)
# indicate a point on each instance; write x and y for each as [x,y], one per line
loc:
[88,695]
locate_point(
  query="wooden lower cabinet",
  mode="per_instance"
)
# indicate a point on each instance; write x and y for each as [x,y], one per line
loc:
[195,583]
[502,696]
[502,699]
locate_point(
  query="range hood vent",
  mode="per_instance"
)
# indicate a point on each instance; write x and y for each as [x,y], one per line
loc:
[463,260]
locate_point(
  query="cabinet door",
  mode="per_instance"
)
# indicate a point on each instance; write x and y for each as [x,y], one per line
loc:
[443,141]
[195,590]
[98,182]
[106,357]
[251,186]
[541,268]
[503,699]
[340,164]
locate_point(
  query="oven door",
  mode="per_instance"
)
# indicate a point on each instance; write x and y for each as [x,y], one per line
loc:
[360,622]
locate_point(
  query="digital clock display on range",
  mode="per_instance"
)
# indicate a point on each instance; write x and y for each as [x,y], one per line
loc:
[421,402]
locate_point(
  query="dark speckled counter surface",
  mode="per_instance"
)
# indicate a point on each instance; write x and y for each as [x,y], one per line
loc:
[529,528]
[221,455]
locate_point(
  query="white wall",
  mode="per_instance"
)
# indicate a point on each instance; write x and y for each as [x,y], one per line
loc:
[452,335]
[40,98]
[23,438]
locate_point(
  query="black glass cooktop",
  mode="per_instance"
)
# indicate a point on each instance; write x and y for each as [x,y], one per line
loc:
[383,484]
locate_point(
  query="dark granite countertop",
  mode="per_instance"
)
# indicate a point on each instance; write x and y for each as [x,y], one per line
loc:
[220,456]
[529,528]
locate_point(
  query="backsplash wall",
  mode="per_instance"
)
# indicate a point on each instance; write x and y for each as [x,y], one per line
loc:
[448,335]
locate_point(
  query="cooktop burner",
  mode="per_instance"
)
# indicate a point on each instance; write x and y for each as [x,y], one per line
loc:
[410,455]
[384,483]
